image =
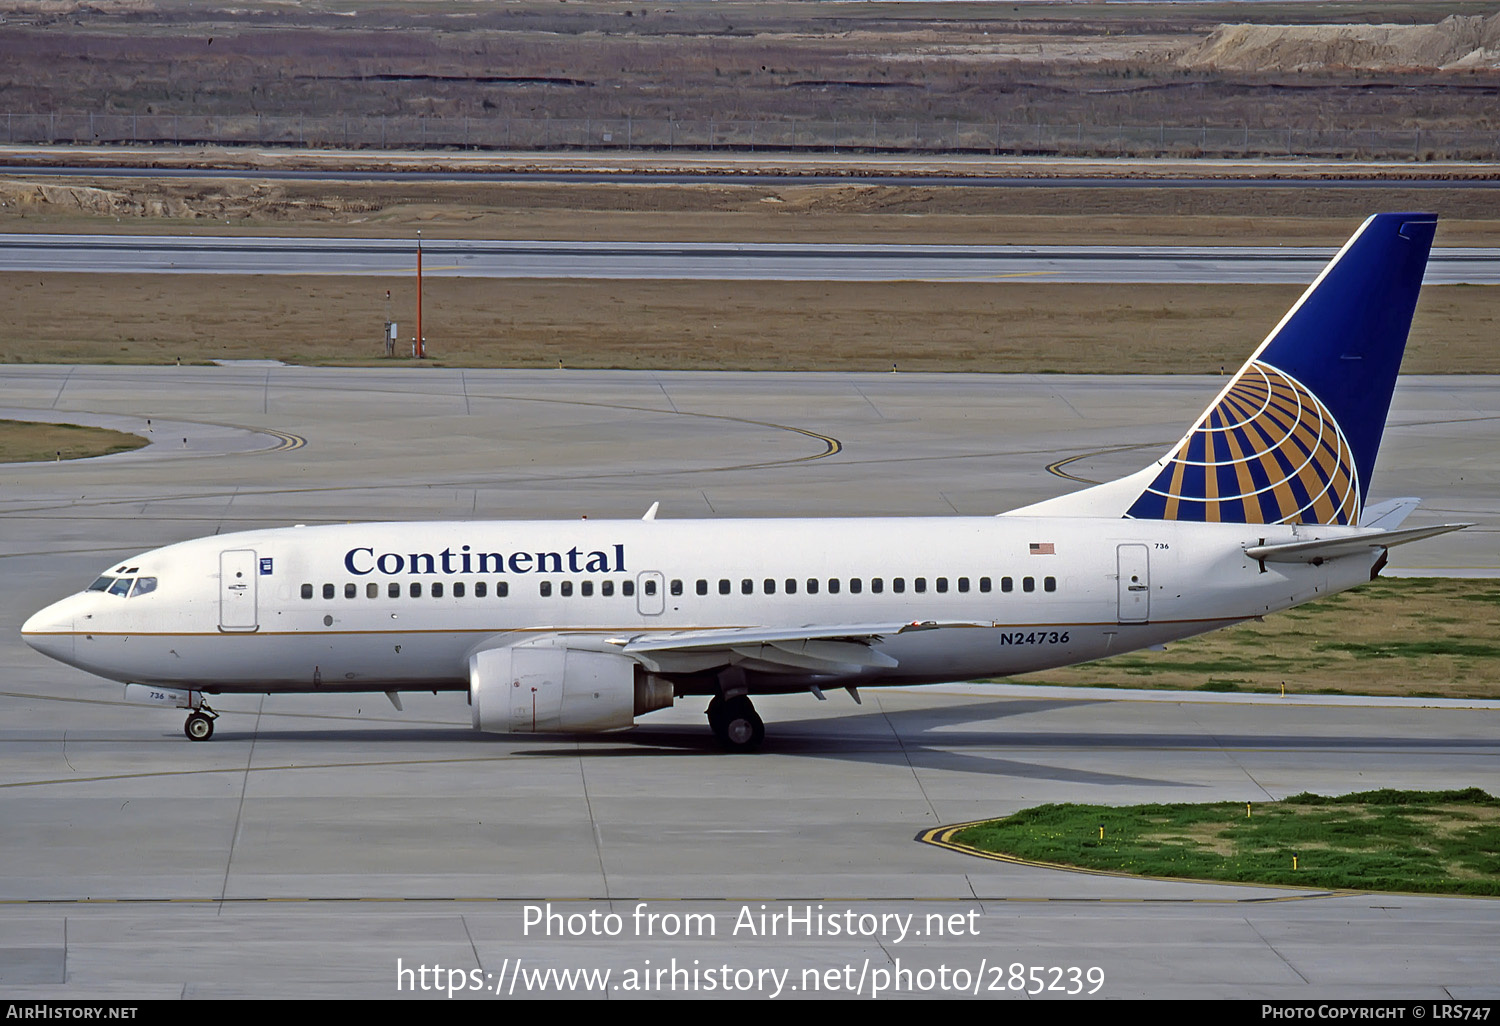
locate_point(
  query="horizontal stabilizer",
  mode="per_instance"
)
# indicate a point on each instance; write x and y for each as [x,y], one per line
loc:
[1388,515]
[1347,545]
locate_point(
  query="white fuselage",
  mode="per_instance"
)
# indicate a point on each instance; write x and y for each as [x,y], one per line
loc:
[382,607]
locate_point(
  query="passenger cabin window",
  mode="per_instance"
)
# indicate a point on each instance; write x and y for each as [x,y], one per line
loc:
[812,585]
[833,585]
[437,589]
[586,588]
[372,590]
[649,586]
[942,584]
[919,585]
[627,588]
[724,586]
[1028,584]
[415,591]
[458,589]
[393,590]
[546,589]
[702,587]
[502,589]
[855,585]
[307,591]
[606,588]
[1007,585]
[676,587]
[350,591]
[567,589]
[963,584]
[328,591]
[898,585]
[769,586]
[1049,583]
[984,584]
[481,589]
[747,587]
[877,585]
[791,585]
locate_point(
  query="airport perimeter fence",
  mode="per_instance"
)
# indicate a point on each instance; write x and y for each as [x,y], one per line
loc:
[868,136]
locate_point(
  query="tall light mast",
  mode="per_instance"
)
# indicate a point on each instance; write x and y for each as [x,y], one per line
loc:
[420,349]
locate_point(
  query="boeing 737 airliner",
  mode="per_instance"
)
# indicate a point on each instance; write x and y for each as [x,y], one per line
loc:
[585,625]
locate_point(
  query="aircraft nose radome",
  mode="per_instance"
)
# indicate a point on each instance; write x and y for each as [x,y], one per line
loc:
[50,632]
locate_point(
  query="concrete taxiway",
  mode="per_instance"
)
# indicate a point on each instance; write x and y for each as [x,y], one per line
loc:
[317,840]
[168,254]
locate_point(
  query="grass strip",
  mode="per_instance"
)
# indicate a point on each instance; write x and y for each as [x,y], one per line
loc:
[1440,842]
[1414,637]
[26,442]
[1004,327]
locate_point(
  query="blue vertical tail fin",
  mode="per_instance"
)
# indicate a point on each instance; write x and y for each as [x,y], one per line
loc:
[1294,436]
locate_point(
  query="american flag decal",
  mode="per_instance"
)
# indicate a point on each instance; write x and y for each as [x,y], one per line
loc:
[1042,549]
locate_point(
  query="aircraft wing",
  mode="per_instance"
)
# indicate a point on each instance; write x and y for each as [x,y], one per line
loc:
[814,648]
[1345,545]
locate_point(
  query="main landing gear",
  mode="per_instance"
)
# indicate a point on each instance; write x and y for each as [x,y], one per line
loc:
[735,723]
[200,724]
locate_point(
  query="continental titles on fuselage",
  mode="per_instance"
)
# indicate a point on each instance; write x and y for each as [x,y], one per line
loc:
[363,561]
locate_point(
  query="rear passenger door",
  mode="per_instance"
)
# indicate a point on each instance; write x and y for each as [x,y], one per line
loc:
[1134,583]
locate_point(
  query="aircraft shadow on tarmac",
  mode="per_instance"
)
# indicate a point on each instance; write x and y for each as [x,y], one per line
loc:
[930,738]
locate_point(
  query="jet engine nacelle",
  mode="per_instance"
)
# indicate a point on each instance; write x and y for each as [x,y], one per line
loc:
[544,686]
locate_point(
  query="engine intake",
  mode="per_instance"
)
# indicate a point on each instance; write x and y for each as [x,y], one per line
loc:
[544,686]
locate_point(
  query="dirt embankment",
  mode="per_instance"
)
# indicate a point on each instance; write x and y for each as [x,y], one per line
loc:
[1455,43]
[25,198]
[789,211]
[175,201]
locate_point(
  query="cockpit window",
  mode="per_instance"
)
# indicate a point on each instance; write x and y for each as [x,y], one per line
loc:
[123,586]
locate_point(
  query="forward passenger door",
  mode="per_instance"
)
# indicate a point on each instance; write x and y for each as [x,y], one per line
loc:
[237,600]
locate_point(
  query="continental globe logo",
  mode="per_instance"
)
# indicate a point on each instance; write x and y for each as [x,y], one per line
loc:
[1267,453]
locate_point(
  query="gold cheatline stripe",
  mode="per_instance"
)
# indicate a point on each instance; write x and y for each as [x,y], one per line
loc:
[1038,625]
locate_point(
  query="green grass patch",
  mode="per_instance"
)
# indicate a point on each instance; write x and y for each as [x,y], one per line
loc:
[1439,842]
[1418,637]
[28,442]
[1222,685]
[1406,649]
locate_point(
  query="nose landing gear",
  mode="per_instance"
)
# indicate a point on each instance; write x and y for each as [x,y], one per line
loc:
[200,724]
